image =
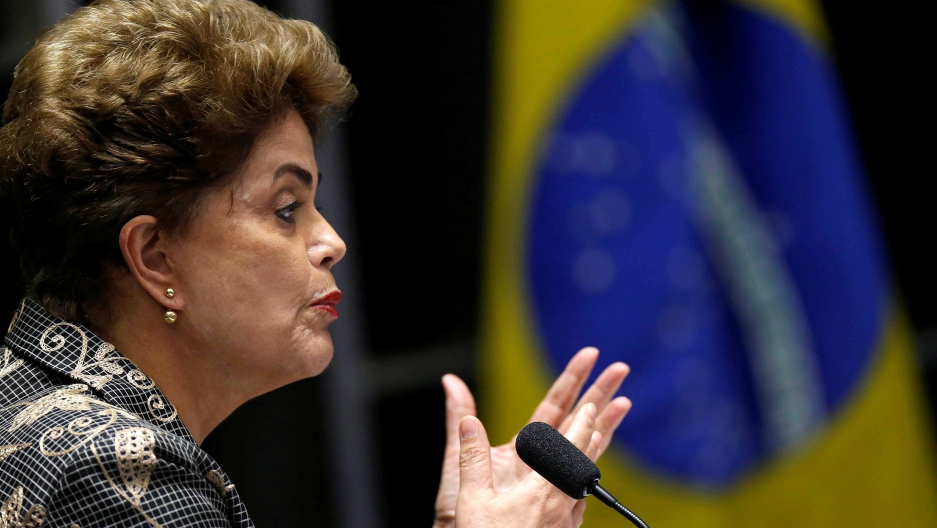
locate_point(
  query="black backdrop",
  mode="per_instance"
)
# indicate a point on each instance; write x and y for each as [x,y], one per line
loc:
[417,142]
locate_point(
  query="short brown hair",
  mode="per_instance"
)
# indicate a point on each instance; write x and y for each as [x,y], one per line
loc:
[137,107]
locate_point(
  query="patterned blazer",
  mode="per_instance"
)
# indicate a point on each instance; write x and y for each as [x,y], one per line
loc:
[87,439]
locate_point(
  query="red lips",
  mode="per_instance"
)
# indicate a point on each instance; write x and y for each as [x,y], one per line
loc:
[328,302]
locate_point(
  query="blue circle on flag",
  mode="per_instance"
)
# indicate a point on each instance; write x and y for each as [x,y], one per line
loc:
[616,257]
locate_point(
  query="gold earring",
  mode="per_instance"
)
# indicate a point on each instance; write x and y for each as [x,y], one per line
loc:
[170,317]
[170,293]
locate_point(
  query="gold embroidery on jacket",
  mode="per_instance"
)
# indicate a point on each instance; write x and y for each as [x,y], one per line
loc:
[135,459]
[8,450]
[53,343]
[16,315]
[105,360]
[158,406]
[140,380]
[9,366]
[134,500]
[82,427]
[68,398]
[10,512]
[214,476]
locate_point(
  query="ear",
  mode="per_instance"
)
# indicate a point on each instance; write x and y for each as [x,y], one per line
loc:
[143,245]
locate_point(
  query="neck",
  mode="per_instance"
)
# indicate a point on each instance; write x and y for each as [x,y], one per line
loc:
[187,374]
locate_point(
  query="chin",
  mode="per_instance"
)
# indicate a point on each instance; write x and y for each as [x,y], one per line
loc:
[315,359]
[299,368]
[319,366]
[306,356]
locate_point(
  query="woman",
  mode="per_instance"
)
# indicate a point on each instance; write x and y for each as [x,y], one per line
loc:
[158,160]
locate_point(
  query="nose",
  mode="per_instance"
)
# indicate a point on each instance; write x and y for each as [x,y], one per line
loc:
[327,247]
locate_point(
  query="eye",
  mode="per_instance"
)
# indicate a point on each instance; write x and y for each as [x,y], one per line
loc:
[286,214]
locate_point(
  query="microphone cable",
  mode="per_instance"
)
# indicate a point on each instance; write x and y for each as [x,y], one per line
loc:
[609,500]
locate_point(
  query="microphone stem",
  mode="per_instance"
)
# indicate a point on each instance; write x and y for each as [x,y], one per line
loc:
[600,493]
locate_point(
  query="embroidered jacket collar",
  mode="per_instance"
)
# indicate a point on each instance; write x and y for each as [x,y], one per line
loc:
[75,351]
[87,439]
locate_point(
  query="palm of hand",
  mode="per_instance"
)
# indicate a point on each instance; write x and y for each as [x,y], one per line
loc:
[507,469]
[556,409]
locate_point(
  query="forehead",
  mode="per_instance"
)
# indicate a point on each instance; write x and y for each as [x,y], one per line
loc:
[286,142]
[287,136]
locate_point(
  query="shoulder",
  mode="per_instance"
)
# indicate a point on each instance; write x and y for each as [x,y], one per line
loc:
[67,456]
[140,475]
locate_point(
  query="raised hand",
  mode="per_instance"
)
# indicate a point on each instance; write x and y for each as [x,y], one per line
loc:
[531,502]
[556,409]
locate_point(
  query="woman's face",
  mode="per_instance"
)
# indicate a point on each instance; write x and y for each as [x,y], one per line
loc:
[254,268]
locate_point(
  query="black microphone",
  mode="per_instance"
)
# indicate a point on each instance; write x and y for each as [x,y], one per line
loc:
[555,458]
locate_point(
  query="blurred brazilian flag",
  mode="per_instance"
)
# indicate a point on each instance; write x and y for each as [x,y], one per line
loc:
[676,183]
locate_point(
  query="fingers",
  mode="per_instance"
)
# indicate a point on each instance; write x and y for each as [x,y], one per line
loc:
[602,391]
[579,511]
[561,396]
[595,444]
[608,421]
[580,432]
[474,456]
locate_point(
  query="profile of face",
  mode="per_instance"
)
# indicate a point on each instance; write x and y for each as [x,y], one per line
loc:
[253,270]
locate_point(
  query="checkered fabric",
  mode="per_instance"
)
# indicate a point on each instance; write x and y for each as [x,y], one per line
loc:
[87,439]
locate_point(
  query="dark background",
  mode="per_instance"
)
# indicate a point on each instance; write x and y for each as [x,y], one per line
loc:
[417,154]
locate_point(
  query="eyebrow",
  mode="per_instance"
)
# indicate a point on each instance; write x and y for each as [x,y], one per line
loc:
[300,173]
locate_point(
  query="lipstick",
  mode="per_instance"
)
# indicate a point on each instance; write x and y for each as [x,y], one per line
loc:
[328,303]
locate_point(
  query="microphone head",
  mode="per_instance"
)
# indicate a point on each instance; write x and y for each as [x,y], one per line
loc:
[556,459]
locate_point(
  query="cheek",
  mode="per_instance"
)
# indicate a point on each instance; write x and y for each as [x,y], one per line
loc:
[268,277]
[248,285]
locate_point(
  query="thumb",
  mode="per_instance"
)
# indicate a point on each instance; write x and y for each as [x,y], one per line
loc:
[474,455]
